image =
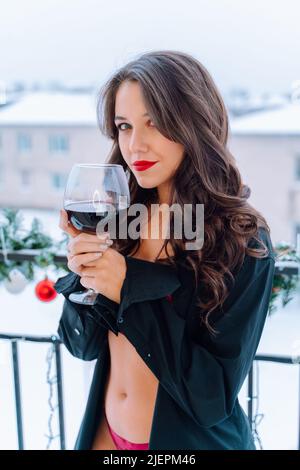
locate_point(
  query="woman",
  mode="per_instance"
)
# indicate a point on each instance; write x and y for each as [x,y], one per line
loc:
[174,331]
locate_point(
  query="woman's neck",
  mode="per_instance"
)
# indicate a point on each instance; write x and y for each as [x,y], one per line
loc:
[164,193]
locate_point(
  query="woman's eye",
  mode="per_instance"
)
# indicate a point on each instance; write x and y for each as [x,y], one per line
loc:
[122,124]
[125,124]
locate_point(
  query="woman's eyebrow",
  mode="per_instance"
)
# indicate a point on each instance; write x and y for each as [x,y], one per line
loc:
[122,117]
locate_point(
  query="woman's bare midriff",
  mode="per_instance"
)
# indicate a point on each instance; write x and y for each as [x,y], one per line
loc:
[129,397]
[131,388]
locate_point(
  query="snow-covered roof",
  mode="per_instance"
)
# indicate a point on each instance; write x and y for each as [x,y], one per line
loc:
[51,108]
[280,121]
[79,109]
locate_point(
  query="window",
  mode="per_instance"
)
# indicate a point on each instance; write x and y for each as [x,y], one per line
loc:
[297,167]
[59,181]
[58,144]
[24,143]
[25,178]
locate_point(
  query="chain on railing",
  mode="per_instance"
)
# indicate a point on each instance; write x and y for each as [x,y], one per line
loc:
[55,352]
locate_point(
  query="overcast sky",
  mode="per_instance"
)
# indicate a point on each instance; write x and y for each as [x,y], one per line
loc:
[253,44]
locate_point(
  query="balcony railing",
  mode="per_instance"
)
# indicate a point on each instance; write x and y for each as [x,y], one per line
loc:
[28,255]
[15,339]
[250,387]
[56,342]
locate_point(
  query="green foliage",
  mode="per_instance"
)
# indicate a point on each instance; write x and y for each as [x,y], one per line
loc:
[17,238]
[284,285]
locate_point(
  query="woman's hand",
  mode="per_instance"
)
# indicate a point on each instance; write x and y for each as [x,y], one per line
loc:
[77,264]
[100,267]
[107,274]
[66,225]
[87,247]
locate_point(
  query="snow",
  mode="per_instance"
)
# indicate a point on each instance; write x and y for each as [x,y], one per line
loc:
[49,220]
[25,314]
[282,121]
[51,108]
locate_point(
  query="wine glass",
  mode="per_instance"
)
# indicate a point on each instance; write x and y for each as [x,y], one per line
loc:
[94,192]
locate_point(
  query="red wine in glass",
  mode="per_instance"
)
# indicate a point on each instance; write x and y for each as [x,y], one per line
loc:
[95,193]
[83,216]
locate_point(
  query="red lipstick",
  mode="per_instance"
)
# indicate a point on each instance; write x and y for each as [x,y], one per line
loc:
[142,165]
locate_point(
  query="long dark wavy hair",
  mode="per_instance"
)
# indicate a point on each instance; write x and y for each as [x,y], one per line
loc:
[186,107]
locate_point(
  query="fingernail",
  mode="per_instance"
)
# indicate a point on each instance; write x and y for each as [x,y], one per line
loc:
[109,242]
[102,236]
[98,255]
[103,247]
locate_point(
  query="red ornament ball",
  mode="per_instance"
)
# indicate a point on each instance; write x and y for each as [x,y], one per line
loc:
[45,291]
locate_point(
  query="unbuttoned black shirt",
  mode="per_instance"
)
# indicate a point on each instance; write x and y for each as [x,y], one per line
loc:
[199,374]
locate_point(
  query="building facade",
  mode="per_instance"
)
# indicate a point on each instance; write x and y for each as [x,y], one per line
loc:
[41,138]
[266,146]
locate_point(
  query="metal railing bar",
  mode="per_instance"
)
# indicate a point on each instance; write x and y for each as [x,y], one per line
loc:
[276,359]
[281,267]
[36,339]
[18,404]
[60,399]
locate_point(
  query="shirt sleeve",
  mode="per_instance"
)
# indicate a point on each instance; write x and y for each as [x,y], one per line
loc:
[202,373]
[81,328]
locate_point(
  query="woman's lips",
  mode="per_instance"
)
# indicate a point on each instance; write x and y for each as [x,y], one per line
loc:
[142,166]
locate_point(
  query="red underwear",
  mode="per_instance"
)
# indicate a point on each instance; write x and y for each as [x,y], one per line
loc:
[123,444]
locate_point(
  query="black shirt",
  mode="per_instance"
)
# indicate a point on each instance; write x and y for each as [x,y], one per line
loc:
[199,375]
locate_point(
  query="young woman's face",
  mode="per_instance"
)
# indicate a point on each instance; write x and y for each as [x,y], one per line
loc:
[140,140]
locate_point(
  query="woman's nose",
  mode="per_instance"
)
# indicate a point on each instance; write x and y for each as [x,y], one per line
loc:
[138,142]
